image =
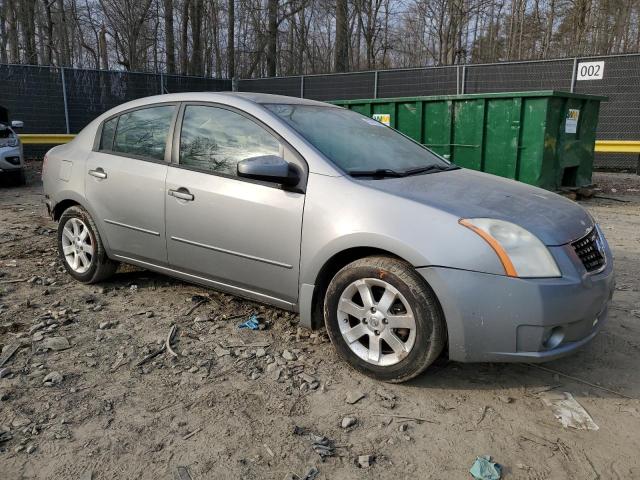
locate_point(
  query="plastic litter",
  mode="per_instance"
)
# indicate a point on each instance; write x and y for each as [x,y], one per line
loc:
[484,469]
[568,411]
[252,324]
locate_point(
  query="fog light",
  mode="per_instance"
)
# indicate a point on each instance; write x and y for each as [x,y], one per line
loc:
[13,160]
[553,338]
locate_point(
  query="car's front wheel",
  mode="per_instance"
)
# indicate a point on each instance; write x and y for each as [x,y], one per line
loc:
[80,247]
[383,318]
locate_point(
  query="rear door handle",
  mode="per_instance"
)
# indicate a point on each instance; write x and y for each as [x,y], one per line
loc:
[181,193]
[98,173]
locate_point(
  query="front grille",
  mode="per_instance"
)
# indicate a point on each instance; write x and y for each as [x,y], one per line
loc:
[590,251]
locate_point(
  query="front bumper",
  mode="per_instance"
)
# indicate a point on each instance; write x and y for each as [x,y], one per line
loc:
[8,156]
[504,319]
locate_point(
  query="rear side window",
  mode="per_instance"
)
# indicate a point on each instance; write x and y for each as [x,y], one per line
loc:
[144,132]
[108,131]
[215,139]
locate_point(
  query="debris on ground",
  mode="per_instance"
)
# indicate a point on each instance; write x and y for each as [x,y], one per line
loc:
[348,422]
[170,335]
[245,389]
[568,411]
[252,324]
[53,378]
[56,343]
[365,461]
[8,352]
[385,398]
[484,469]
[354,396]
[182,473]
[311,474]
[289,356]
[323,446]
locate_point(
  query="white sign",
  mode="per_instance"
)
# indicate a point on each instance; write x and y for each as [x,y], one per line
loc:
[384,118]
[590,71]
[571,122]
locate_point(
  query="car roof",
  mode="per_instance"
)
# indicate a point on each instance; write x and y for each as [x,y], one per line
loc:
[224,97]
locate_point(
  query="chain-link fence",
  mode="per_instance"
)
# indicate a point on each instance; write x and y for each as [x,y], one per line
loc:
[64,100]
[620,82]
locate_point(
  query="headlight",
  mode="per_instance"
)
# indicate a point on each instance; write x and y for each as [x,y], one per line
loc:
[521,253]
[12,142]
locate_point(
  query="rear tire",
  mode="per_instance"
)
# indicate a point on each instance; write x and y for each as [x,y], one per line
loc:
[80,247]
[383,319]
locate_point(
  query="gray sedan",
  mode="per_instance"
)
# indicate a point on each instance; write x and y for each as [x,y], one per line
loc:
[322,211]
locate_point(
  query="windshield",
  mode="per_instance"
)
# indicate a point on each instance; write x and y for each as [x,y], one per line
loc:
[356,143]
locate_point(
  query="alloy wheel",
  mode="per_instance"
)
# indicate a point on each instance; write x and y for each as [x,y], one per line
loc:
[376,321]
[77,246]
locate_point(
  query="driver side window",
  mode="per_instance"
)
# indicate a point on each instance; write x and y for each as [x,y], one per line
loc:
[215,140]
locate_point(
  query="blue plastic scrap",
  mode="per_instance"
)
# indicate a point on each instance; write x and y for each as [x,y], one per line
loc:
[484,469]
[252,324]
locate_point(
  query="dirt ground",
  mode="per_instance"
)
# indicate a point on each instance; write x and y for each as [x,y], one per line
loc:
[228,404]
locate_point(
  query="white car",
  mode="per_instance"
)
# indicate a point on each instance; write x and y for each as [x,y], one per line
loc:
[11,154]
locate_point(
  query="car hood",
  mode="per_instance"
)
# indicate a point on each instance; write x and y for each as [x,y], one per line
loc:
[464,193]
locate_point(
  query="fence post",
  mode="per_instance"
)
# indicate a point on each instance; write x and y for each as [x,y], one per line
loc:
[375,84]
[64,97]
[161,84]
[301,86]
[457,79]
[464,79]
[573,74]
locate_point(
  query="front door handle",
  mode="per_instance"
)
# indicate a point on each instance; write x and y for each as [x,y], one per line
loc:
[181,193]
[98,173]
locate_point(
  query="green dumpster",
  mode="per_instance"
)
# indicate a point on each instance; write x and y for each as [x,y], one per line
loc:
[543,138]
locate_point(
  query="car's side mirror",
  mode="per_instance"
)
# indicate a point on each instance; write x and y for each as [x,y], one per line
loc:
[269,168]
[17,124]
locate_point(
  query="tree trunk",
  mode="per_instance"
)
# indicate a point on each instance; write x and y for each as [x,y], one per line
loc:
[196,36]
[63,37]
[4,13]
[184,39]
[231,39]
[102,43]
[170,44]
[27,15]
[48,39]
[272,37]
[341,63]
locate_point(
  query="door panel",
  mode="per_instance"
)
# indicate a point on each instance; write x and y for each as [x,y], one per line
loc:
[235,232]
[127,196]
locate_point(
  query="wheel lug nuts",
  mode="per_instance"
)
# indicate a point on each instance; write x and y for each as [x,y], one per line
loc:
[364,320]
[377,332]
[385,321]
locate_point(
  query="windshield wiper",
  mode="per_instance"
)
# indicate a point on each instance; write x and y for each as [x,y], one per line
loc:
[430,168]
[377,173]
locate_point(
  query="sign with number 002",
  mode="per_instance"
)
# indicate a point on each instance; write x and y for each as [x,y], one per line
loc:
[590,71]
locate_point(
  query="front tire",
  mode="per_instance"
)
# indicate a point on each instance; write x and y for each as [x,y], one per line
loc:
[383,319]
[80,248]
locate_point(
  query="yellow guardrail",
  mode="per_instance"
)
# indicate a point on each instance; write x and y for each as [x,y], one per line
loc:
[617,146]
[602,146]
[45,138]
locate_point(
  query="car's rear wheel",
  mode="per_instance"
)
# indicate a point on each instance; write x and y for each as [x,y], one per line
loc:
[80,247]
[383,318]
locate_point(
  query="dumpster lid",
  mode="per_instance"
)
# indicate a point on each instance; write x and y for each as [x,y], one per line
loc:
[533,93]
